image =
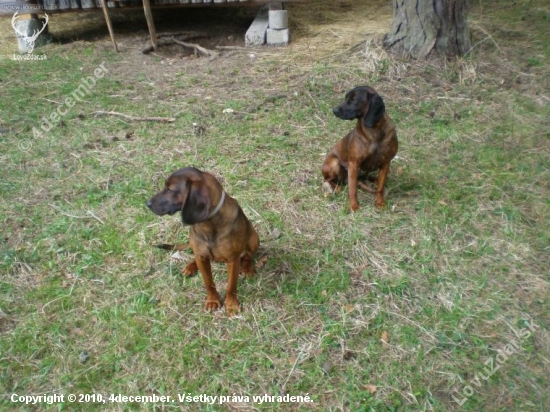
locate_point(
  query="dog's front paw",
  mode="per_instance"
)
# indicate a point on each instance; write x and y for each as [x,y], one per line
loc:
[212,304]
[231,305]
[380,203]
[354,206]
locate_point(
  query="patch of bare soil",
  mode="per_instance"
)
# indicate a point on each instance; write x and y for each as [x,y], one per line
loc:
[318,30]
[215,27]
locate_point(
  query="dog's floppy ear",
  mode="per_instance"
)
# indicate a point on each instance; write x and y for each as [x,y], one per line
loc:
[376,111]
[196,205]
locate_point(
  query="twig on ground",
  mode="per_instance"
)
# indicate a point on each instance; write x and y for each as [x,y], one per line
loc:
[187,35]
[199,49]
[489,37]
[171,40]
[292,370]
[230,47]
[90,213]
[267,100]
[137,119]
[51,101]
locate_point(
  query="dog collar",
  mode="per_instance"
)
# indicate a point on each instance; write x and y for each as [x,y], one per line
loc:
[217,209]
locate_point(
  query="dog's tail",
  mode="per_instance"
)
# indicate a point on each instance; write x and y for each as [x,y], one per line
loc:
[166,246]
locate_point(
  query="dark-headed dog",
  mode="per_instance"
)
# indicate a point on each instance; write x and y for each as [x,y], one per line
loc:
[219,231]
[369,147]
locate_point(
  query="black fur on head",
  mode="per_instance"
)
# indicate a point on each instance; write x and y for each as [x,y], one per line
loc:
[362,102]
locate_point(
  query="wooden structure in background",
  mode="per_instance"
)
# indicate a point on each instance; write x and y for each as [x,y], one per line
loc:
[35,7]
[8,7]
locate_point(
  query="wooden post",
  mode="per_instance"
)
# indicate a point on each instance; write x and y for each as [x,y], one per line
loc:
[109,26]
[150,23]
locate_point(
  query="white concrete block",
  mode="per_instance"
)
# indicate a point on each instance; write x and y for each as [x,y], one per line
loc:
[255,35]
[278,19]
[278,37]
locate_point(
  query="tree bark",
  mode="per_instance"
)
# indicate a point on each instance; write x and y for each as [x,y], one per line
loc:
[423,28]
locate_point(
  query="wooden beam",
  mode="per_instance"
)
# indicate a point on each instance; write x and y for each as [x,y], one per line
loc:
[150,23]
[109,25]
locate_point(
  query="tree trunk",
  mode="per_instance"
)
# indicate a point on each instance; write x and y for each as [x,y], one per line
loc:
[422,28]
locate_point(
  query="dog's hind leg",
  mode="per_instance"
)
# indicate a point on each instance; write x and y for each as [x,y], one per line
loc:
[190,269]
[333,172]
[380,202]
[246,260]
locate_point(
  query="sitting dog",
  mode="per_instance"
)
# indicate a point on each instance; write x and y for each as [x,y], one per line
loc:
[219,231]
[370,146]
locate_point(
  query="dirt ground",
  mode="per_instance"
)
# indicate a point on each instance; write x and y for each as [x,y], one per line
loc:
[318,32]
[214,27]
[315,29]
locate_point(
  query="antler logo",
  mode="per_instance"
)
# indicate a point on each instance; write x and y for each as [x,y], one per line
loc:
[29,40]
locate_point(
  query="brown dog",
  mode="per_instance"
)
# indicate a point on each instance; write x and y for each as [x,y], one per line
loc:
[370,146]
[219,230]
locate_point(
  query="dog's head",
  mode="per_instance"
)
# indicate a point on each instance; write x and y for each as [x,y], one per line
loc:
[184,191]
[361,103]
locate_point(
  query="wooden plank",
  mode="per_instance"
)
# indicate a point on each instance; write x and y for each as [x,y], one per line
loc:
[150,23]
[64,4]
[109,25]
[49,5]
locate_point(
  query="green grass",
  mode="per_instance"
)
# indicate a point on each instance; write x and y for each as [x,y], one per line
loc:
[455,264]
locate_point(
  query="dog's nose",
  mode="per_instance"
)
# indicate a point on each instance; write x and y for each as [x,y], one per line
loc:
[336,110]
[149,204]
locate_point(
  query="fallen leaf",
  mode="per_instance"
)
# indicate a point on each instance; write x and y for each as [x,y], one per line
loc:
[260,263]
[349,308]
[327,367]
[370,388]
[348,355]
[385,339]
[83,356]
[275,234]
